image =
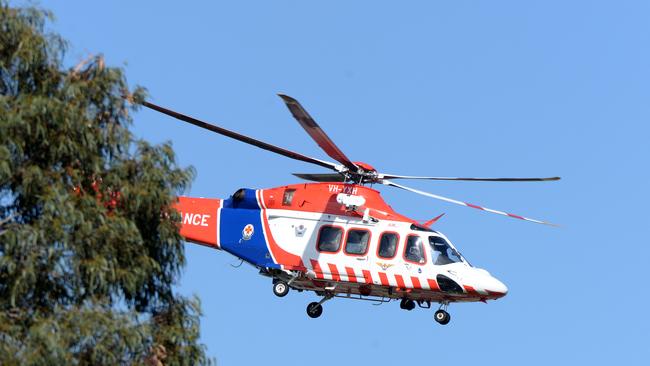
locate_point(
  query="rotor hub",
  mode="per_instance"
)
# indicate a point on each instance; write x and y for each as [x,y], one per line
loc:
[365,173]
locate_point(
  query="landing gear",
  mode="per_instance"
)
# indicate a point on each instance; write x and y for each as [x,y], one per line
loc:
[442,317]
[315,309]
[281,285]
[407,304]
[280,288]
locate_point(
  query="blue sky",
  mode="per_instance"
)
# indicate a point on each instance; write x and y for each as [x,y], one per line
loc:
[463,88]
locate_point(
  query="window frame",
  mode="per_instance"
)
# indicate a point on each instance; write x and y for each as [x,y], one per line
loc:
[320,231]
[286,192]
[448,247]
[396,244]
[347,234]
[422,249]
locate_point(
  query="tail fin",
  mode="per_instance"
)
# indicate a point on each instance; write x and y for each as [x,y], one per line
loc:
[200,220]
[433,220]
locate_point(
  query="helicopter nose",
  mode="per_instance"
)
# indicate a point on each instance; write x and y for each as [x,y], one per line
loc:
[490,284]
[495,287]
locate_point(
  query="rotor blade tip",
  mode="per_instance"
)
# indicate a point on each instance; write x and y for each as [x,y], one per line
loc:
[286,98]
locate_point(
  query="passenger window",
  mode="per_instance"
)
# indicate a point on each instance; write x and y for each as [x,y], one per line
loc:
[387,245]
[329,239]
[357,241]
[414,250]
[288,197]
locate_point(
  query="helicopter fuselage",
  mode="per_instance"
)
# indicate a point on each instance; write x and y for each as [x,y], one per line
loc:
[337,239]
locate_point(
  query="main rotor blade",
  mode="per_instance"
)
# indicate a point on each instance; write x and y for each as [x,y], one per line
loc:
[321,177]
[240,137]
[394,176]
[389,183]
[317,133]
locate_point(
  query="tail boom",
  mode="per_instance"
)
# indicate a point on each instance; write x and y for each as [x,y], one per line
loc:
[200,220]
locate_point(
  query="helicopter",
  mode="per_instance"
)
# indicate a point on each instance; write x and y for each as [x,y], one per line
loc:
[336,236]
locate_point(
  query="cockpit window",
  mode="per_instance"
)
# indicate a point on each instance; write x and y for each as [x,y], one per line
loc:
[414,250]
[443,253]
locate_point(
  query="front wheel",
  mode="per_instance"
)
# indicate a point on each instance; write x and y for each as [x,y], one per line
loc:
[442,317]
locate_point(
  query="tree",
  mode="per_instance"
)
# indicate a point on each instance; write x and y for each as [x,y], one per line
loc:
[89,243]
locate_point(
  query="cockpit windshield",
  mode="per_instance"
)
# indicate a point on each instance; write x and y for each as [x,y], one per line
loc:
[442,252]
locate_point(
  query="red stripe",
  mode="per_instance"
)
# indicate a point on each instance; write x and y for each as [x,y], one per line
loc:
[352,277]
[367,277]
[280,256]
[416,282]
[433,285]
[516,216]
[335,272]
[469,289]
[383,278]
[495,294]
[258,196]
[317,269]
[473,206]
[400,281]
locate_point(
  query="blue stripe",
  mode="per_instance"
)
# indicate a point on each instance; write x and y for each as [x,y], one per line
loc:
[233,219]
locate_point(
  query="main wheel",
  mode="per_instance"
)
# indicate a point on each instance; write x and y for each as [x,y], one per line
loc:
[442,317]
[314,310]
[280,289]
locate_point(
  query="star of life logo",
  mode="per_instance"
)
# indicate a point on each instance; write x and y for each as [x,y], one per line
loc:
[248,231]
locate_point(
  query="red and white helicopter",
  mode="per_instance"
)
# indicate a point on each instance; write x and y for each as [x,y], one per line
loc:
[338,237]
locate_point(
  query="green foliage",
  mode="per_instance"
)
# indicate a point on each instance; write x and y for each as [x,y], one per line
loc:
[89,246]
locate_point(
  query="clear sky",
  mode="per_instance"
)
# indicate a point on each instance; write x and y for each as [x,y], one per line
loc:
[449,88]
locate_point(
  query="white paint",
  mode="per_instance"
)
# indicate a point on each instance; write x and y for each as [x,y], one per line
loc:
[195,219]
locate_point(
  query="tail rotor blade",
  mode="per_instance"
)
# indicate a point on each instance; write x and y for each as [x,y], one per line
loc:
[450,200]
